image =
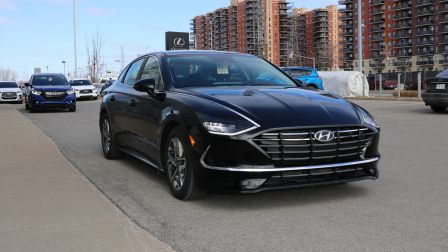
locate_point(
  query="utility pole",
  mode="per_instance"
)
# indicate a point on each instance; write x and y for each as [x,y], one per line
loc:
[360,36]
[63,62]
[74,38]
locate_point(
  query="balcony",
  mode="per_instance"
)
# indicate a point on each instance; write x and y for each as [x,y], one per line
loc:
[403,15]
[403,44]
[402,6]
[403,35]
[424,12]
[425,22]
[443,41]
[425,33]
[404,54]
[376,20]
[425,62]
[344,2]
[376,2]
[425,52]
[377,11]
[424,42]
[443,62]
[421,3]
[402,64]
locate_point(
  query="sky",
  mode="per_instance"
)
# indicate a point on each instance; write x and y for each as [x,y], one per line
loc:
[39,33]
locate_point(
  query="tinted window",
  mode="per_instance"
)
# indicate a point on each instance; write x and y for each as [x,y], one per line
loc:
[49,80]
[132,74]
[297,73]
[80,83]
[152,71]
[224,70]
[8,85]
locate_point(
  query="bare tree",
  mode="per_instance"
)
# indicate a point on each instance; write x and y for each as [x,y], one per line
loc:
[94,57]
[7,75]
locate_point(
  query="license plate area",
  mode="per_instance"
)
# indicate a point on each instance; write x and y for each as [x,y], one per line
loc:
[440,86]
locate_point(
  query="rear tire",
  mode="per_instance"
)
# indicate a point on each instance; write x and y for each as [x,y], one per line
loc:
[182,166]
[438,109]
[110,150]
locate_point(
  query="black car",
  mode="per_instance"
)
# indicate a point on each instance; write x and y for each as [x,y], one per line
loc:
[436,93]
[229,121]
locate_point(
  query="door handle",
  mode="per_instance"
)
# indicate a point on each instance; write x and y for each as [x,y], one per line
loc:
[112,98]
[132,102]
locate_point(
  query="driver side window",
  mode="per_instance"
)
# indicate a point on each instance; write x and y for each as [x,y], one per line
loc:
[133,72]
[152,71]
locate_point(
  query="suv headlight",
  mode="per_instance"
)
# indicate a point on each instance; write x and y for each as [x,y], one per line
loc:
[35,92]
[367,118]
[70,92]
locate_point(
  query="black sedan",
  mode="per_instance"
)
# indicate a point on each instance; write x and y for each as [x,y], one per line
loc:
[234,122]
[436,93]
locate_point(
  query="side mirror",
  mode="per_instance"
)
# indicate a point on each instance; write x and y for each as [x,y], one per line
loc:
[27,84]
[145,85]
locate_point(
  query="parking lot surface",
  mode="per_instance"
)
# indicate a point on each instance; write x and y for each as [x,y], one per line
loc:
[405,210]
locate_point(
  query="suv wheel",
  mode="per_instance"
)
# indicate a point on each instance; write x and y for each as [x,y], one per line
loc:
[438,109]
[181,165]
[110,150]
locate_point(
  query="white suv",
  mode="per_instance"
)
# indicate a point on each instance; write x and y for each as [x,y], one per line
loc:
[84,89]
[10,92]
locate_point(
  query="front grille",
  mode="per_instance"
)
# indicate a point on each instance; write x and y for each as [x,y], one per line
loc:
[300,148]
[86,91]
[54,96]
[9,95]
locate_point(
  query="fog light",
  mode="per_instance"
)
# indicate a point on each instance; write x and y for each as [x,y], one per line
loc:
[250,184]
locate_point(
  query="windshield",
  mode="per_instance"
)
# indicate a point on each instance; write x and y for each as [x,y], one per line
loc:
[224,70]
[50,80]
[80,83]
[8,85]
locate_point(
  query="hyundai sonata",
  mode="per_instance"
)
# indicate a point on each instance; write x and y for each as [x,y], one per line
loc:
[230,121]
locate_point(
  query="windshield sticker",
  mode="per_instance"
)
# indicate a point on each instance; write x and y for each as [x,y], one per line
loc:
[223,69]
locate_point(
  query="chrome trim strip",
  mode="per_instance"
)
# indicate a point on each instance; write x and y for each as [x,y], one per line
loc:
[271,168]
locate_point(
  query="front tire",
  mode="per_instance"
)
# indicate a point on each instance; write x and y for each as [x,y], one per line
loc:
[438,109]
[110,150]
[182,166]
[72,109]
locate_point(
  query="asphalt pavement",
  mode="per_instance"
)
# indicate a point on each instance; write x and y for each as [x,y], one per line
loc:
[405,210]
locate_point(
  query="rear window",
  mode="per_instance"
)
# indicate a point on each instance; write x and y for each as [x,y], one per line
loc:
[80,83]
[49,80]
[8,85]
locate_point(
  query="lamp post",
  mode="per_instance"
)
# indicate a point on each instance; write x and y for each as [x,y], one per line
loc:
[74,39]
[63,62]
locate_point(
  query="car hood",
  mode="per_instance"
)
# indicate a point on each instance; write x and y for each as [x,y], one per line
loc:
[52,88]
[284,107]
[83,87]
[12,90]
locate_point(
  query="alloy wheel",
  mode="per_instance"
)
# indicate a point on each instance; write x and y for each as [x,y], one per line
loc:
[106,135]
[176,163]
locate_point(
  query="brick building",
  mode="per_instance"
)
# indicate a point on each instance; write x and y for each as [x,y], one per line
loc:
[259,27]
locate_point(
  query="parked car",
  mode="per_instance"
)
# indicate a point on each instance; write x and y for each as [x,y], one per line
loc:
[436,93]
[10,92]
[390,84]
[84,89]
[307,75]
[230,121]
[49,91]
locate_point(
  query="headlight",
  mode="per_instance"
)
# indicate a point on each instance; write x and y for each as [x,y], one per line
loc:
[228,128]
[35,92]
[368,119]
[70,92]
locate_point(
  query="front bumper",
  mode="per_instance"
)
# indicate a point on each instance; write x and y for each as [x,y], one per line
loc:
[38,101]
[247,170]
[18,98]
[86,95]
[435,99]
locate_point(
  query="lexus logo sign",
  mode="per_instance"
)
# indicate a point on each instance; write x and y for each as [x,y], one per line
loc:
[177,41]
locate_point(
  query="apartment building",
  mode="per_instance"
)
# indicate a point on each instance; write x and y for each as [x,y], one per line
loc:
[259,27]
[399,36]
[317,38]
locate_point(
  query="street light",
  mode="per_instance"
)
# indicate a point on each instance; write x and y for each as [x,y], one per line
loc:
[63,62]
[74,39]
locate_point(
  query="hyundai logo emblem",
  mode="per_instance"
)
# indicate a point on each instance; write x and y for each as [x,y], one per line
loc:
[324,136]
[179,42]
